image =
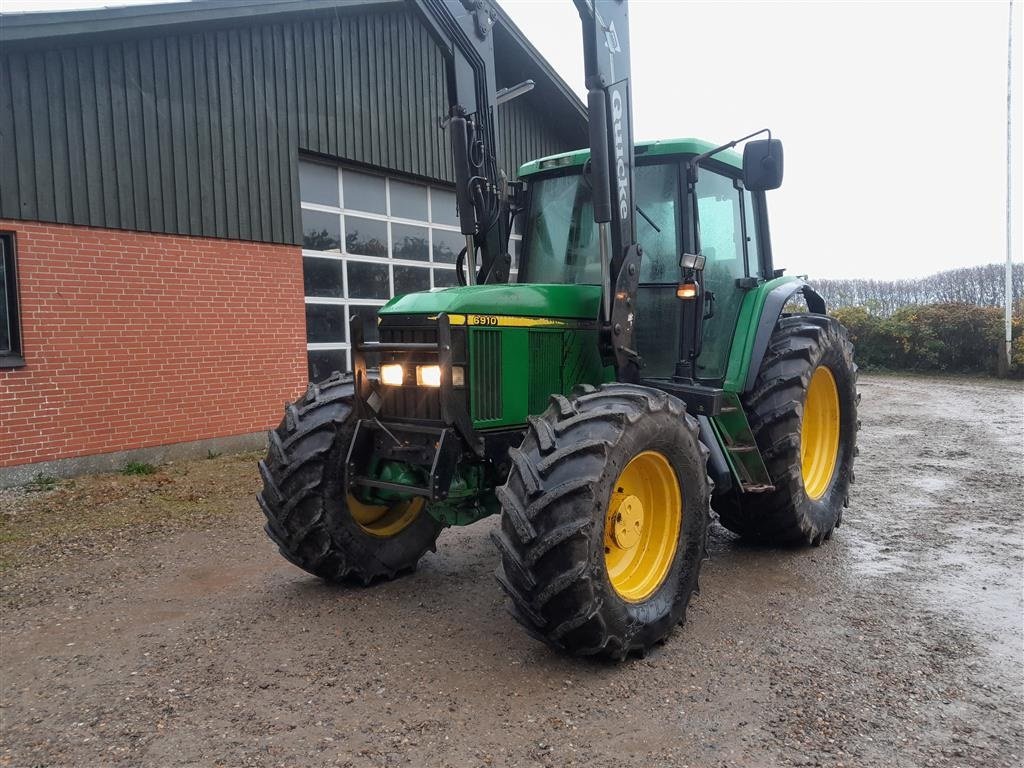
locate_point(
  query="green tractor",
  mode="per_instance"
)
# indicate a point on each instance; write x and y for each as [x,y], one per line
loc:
[642,369]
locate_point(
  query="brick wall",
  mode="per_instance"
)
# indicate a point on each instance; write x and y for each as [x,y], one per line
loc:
[135,340]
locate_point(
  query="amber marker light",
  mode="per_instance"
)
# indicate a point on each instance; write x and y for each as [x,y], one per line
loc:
[686,291]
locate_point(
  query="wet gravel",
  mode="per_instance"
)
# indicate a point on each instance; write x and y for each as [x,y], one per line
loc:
[190,642]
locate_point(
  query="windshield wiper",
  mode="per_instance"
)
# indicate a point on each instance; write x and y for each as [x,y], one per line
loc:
[648,219]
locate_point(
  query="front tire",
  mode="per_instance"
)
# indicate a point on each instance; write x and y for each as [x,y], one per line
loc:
[604,520]
[803,413]
[315,522]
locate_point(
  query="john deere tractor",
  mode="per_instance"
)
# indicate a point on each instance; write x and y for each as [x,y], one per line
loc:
[641,369]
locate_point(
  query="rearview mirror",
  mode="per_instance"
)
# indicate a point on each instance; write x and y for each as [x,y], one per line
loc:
[762,165]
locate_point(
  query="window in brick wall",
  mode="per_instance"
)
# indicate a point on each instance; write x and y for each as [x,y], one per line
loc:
[10,329]
[366,238]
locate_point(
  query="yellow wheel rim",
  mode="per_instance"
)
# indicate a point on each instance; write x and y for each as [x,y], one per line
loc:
[385,521]
[642,526]
[819,434]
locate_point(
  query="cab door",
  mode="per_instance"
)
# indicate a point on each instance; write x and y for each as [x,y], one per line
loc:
[659,312]
[729,244]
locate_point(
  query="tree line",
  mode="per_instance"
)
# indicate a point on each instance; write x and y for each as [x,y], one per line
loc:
[982,286]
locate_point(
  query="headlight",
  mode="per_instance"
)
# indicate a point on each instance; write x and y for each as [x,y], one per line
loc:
[393,374]
[428,375]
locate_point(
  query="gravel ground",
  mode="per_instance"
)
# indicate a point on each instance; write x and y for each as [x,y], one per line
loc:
[148,622]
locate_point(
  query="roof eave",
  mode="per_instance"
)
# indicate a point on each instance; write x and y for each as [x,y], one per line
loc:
[56,26]
[563,87]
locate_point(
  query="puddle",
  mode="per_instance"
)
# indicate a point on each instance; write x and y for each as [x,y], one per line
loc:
[931,484]
[980,593]
[870,557]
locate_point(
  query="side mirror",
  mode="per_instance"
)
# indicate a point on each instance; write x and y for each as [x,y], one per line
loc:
[762,165]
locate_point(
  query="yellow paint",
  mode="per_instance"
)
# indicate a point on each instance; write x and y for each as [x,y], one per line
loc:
[385,521]
[819,433]
[645,513]
[510,321]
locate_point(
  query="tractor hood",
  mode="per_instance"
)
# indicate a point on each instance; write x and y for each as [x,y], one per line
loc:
[539,300]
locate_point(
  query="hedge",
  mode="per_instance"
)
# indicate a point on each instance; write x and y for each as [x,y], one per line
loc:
[933,337]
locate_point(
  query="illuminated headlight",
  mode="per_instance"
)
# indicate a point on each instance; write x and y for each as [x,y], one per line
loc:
[428,375]
[393,374]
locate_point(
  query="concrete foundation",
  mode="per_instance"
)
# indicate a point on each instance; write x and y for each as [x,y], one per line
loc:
[113,462]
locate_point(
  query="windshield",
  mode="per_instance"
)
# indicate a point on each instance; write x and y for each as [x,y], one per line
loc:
[562,233]
[562,242]
[562,247]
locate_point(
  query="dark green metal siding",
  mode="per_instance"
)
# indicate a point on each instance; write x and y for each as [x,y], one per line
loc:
[523,134]
[199,133]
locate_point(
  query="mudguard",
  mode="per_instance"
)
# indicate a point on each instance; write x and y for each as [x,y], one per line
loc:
[773,306]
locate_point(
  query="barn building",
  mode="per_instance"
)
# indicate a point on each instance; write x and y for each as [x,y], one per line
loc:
[194,197]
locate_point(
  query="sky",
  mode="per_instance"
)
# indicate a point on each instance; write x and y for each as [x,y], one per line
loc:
[893,115]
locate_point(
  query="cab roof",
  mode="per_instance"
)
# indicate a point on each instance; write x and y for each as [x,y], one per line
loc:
[688,146]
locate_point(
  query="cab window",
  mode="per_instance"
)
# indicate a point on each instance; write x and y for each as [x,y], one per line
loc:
[754,266]
[657,233]
[563,245]
[722,244]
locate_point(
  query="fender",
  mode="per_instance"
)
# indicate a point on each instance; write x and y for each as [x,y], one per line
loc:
[773,306]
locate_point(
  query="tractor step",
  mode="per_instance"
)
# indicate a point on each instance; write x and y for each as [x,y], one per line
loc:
[734,449]
[740,447]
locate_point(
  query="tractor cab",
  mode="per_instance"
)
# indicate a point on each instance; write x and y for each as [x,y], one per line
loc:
[561,244]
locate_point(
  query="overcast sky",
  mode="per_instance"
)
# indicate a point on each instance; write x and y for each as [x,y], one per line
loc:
[893,115]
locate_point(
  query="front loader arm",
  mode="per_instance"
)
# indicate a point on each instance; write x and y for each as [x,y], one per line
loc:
[462,28]
[610,111]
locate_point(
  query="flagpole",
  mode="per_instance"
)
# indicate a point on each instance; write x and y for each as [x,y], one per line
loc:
[1009,188]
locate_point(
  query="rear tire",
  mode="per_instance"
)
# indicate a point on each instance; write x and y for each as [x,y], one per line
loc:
[808,501]
[310,515]
[560,503]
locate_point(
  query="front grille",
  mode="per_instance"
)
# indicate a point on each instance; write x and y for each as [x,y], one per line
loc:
[409,402]
[545,368]
[406,334]
[485,364]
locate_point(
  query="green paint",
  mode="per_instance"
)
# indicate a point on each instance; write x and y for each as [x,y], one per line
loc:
[489,385]
[687,146]
[746,331]
[518,299]
[513,370]
[546,374]
[729,458]
[390,472]
[534,364]
[470,497]
[737,440]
